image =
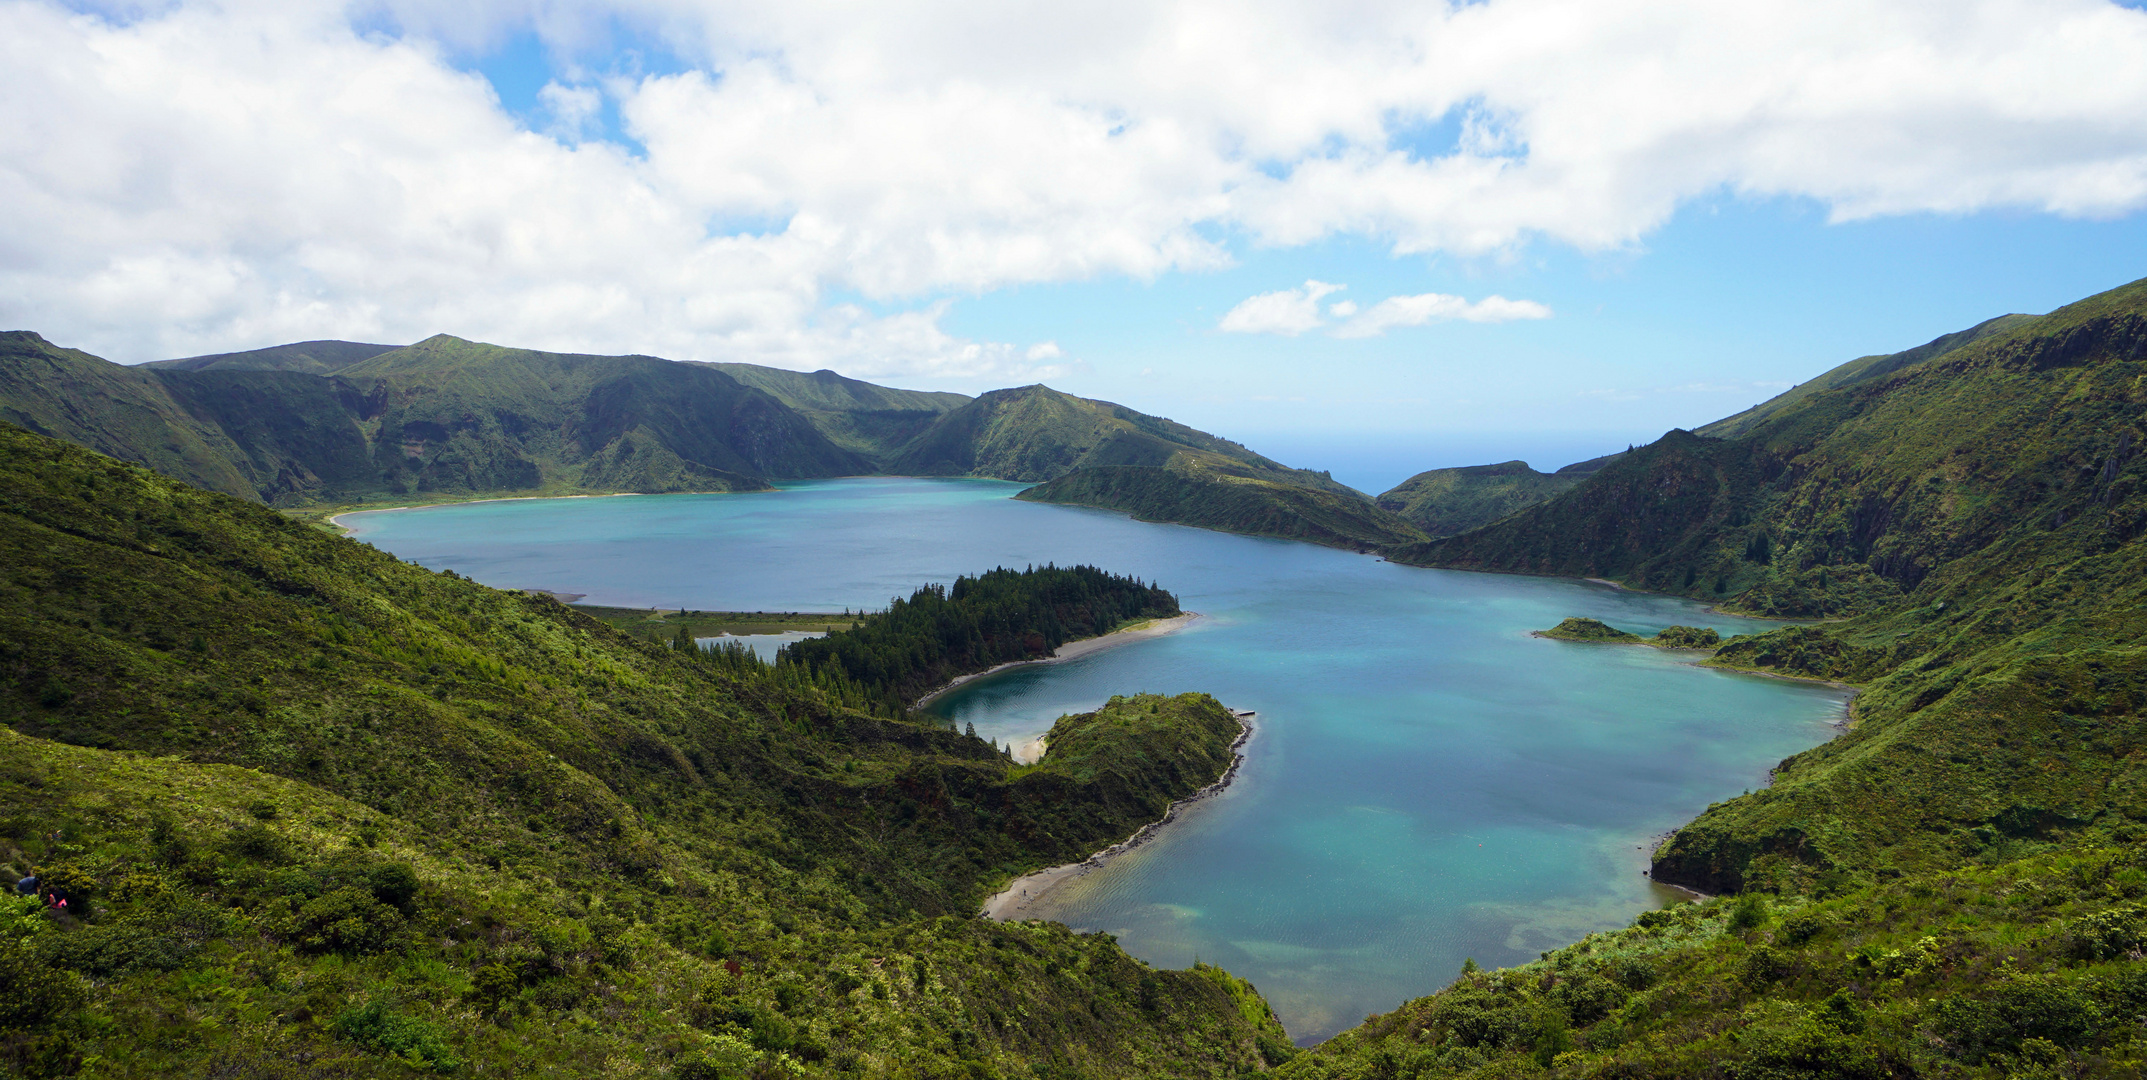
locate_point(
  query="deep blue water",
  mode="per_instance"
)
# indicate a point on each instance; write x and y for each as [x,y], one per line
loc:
[1428,781]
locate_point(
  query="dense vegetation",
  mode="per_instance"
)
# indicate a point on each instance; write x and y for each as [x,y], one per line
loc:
[1578,628]
[1583,629]
[1214,495]
[998,617]
[316,811]
[2006,966]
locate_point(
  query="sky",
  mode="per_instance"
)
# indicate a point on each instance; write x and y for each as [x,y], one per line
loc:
[1360,235]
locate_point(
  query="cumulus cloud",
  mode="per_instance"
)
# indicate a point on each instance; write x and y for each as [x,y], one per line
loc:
[204,174]
[1289,312]
[1434,307]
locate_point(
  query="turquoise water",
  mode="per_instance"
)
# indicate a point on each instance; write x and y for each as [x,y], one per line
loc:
[1428,782]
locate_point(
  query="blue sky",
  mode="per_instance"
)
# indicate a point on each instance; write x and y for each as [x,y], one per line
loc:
[1376,239]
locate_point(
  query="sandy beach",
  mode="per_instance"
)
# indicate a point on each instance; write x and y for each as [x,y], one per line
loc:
[337,519]
[1025,891]
[1075,649]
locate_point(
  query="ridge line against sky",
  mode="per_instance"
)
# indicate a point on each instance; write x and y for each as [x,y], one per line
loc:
[1545,212]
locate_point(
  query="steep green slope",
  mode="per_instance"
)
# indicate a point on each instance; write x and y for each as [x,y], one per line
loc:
[1861,369]
[470,414]
[310,357]
[125,412]
[2023,969]
[444,417]
[875,421]
[1980,515]
[1447,502]
[318,810]
[1199,491]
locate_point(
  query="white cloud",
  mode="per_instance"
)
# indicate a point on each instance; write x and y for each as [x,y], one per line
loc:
[1436,307]
[1048,350]
[574,109]
[202,174]
[1289,312]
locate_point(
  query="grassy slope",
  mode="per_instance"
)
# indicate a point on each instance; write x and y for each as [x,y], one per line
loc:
[1995,969]
[596,824]
[875,421]
[1448,502]
[125,412]
[309,357]
[442,418]
[1861,369]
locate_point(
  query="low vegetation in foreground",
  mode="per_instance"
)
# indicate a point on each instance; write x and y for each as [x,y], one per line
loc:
[2006,966]
[316,811]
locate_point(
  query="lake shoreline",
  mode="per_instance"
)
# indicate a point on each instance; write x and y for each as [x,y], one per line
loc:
[1028,889]
[1074,650]
[336,519]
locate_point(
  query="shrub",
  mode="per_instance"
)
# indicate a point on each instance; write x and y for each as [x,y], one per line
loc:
[1801,926]
[376,1027]
[347,920]
[1749,912]
[2024,1008]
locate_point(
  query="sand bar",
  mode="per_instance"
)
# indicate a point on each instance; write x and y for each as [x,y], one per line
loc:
[1073,650]
[1026,891]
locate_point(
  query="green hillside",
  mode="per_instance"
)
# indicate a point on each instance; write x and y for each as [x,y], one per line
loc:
[1447,502]
[1094,453]
[320,812]
[1035,433]
[444,418]
[310,357]
[1861,369]
[874,421]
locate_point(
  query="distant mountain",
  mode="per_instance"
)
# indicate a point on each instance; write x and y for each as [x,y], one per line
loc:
[1097,453]
[873,421]
[341,422]
[1195,490]
[1446,502]
[444,416]
[310,357]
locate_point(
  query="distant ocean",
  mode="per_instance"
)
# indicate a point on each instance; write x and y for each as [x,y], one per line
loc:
[1374,462]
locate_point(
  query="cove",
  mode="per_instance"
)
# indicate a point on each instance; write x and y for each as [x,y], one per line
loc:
[1428,782]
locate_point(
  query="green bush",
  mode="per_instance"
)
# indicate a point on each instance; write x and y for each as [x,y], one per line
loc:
[347,920]
[2018,1009]
[381,1029]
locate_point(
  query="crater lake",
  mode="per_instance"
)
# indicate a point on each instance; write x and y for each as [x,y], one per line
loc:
[1427,782]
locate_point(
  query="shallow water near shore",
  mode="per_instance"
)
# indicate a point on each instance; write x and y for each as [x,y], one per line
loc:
[1428,782]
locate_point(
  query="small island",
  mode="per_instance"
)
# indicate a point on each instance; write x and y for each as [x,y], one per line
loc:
[1601,633]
